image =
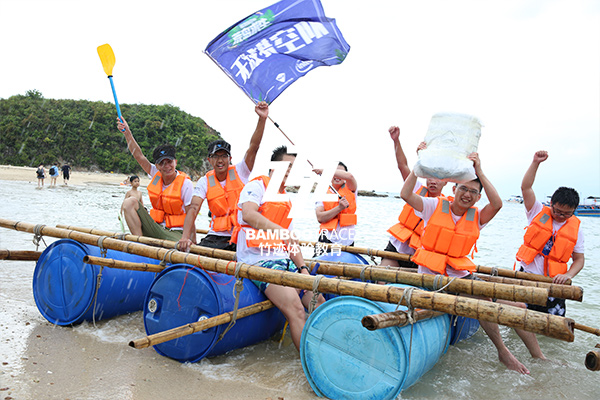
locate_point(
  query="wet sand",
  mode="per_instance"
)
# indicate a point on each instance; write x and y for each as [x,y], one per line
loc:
[27,174]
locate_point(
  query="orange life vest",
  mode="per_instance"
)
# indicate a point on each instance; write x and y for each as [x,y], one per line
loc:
[167,204]
[222,201]
[346,217]
[275,211]
[537,235]
[447,243]
[410,227]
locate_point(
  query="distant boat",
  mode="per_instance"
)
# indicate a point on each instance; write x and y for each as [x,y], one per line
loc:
[589,208]
[515,199]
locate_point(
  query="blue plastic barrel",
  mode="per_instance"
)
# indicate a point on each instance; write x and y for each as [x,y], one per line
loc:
[462,328]
[66,290]
[184,294]
[342,256]
[343,360]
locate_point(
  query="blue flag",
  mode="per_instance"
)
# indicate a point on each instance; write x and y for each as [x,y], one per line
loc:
[270,49]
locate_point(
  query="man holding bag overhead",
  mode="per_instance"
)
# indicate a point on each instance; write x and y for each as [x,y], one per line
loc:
[451,229]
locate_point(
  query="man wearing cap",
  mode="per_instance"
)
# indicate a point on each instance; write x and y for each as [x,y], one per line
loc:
[221,188]
[170,193]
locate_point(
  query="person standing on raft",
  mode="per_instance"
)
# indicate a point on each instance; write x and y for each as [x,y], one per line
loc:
[451,228]
[338,218]
[170,192]
[405,236]
[222,197]
[264,237]
[553,237]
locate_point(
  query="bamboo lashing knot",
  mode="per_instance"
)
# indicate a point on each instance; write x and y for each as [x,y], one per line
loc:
[238,287]
[37,235]
[362,272]
[101,245]
[169,253]
[494,271]
[437,282]
[313,300]
[407,294]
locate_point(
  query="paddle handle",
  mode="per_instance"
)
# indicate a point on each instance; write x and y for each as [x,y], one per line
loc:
[112,85]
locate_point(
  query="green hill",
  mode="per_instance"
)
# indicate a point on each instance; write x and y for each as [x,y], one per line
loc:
[35,130]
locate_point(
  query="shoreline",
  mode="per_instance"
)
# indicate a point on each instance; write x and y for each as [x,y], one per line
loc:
[27,174]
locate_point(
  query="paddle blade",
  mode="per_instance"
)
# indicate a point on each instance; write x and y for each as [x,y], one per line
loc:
[107,57]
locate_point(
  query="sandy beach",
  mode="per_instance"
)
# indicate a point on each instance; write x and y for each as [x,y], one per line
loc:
[27,174]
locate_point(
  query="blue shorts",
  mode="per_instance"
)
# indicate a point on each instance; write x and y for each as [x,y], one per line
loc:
[284,264]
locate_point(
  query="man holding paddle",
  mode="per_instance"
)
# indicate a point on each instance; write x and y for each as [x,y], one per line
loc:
[170,192]
[221,188]
[451,228]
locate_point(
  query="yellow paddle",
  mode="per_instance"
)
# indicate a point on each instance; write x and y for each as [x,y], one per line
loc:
[107,57]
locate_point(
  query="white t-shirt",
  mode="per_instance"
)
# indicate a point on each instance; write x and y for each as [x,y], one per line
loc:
[254,192]
[202,188]
[404,247]
[342,235]
[186,191]
[429,206]
[537,266]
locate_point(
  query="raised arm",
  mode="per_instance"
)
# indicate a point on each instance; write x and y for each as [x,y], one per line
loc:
[400,156]
[527,184]
[133,147]
[407,194]
[262,109]
[495,202]
[351,183]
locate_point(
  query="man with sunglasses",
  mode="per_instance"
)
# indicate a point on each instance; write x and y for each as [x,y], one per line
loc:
[451,229]
[221,188]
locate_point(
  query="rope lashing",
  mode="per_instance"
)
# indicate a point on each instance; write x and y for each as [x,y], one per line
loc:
[494,271]
[169,253]
[238,287]
[437,281]
[37,235]
[362,272]
[313,300]
[101,245]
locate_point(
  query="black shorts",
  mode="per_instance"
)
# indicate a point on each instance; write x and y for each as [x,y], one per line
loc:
[218,242]
[554,306]
[390,247]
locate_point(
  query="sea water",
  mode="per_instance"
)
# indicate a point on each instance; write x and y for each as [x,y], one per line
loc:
[470,369]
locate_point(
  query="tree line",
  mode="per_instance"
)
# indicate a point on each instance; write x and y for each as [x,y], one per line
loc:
[35,130]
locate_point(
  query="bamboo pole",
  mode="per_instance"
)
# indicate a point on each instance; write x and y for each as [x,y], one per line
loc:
[516,274]
[592,360]
[169,244]
[588,329]
[395,318]
[554,290]
[532,321]
[527,294]
[188,329]
[19,255]
[112,263]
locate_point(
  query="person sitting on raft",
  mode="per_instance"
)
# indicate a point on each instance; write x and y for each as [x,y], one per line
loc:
[222,198]
[461,222]
[405,236]
[264,237]
[338,218]
[170,192]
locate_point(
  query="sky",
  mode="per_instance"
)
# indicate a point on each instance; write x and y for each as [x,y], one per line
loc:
[529,70]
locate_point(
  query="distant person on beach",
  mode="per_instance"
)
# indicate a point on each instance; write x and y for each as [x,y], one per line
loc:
[221,188]
[170,193]
[54,172]
[255,219]
[553,237]
[66,171]
[338,218]
[461,223]
[41,175]
[134,180]
[405,236]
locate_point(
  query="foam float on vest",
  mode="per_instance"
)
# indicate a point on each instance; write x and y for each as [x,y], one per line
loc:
[450,139]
